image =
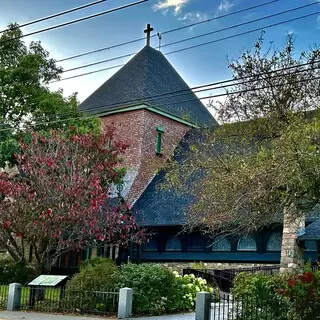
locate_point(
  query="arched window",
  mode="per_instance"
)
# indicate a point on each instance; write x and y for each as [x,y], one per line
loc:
[247,243]
[173,244]
[310,245]
[151,245]
[196,243]
[221,244]
[274,242]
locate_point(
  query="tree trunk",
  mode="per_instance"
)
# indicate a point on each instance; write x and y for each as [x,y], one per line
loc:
[291,253]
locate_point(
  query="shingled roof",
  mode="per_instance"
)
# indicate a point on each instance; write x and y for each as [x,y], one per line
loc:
[147,79]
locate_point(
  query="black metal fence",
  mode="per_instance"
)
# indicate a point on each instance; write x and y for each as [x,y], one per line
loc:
[249,308]
[4,290]
[69,301]
[224,278]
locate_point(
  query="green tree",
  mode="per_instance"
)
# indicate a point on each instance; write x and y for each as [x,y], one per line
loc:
[263,161]
[25,99]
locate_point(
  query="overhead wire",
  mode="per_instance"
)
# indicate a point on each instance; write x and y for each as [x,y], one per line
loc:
[178,102]
[196,89]
[77,20]
[183,49]
[53,16]
[167,31]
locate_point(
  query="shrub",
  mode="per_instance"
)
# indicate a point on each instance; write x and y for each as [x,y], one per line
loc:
[98,274]
[157,290]
[187,288]
[11,271]
[152,286]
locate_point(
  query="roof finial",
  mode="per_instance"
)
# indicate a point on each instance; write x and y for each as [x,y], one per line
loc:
[148,32]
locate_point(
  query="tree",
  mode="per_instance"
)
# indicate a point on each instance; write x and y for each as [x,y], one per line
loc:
[60,200]
[25,99]
[263,160]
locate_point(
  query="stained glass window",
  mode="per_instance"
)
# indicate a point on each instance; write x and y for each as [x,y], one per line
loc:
[310,245]
[274,242]
[221,244]
[196,243]
[173,244]
[247,244]
[152,245]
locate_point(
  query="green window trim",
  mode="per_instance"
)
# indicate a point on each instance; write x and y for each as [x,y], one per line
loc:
[160,132]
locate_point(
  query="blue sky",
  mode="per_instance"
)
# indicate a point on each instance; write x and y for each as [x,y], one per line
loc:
[197,66]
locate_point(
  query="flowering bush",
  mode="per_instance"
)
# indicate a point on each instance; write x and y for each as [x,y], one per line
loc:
[157,290]
[189,286]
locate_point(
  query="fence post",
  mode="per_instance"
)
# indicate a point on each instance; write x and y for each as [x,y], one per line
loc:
[125,303]
[14,297]
[203,306]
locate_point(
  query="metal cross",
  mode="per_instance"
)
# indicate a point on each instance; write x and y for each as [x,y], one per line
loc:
[148,32]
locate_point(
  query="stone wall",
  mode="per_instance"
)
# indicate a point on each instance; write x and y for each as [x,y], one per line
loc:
[291,252]
[179,266]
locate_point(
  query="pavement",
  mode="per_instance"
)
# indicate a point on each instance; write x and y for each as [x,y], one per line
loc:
[17,315]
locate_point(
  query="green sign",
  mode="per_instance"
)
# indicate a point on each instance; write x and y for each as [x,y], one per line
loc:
[47,280]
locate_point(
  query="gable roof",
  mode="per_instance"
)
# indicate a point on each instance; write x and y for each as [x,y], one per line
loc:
[147,79]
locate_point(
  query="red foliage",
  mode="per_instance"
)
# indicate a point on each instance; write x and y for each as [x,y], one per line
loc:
[61,200]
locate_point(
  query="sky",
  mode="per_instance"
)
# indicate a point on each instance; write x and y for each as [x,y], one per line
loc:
[198,66]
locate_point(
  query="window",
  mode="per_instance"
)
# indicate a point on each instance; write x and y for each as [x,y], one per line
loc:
[247,244]
[173,244]
[152,245]
[196,243]
[310,245]
[221,244]
[159,140]
[274,242]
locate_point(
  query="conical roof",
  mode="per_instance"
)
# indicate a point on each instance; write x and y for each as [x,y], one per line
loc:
[148,78]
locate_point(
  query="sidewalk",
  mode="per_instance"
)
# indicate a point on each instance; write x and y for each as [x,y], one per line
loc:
[16,315]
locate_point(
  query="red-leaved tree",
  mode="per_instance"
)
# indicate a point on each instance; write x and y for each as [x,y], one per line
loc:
[60,200]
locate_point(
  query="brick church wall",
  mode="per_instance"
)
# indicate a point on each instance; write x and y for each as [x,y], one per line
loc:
[138,129]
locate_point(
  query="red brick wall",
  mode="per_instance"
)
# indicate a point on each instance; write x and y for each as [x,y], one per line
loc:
[138,129]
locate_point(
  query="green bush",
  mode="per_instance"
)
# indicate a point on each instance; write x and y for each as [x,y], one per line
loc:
[152,285]
[157,290]
[96,274]
[82,291]
[11,271]
[258,295]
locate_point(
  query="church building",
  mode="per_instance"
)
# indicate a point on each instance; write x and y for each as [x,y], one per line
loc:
[154,110]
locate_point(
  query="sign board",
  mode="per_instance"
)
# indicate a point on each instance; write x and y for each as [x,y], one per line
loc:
[47,280]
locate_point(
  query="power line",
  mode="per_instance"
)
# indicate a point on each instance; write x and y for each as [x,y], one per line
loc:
[240,24]
[54,15]
[77,20]
[187,48]
[195,37]
[205,87]
[189,100]
[167,31]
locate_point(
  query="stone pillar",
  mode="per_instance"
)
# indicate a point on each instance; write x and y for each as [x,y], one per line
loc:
[203,306]
[125,303]
[291,252]
[14,297]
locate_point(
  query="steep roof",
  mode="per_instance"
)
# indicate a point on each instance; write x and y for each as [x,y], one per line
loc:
[148,78]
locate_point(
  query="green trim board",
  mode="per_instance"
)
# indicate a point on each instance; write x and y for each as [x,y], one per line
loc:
[149,108]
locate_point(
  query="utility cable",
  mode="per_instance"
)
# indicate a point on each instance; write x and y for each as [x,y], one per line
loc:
[183,49]
[177,102]
[167,31]
[54,15]
[76,20]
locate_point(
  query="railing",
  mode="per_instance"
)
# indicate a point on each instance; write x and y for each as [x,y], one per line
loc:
[69,301]
[224,278]
[4,289]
